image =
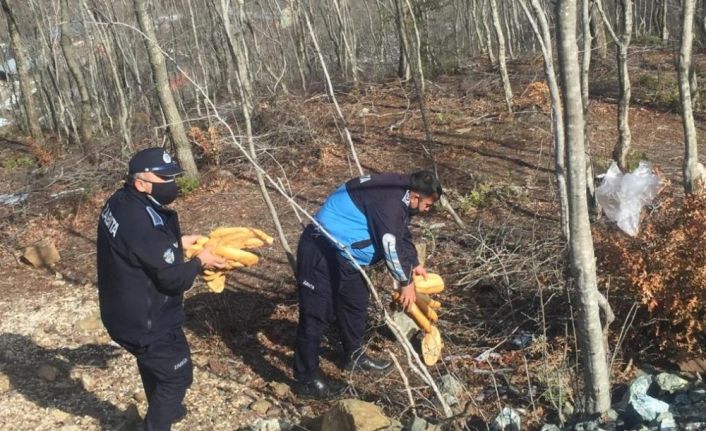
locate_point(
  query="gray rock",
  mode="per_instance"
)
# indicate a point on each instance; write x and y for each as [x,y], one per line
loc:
[48,372]
[670,382]
[139,396]
[507,420]
[88,382]
[568,408]
[640,385]
[449,384]
[667,422]
[356,415]
[550,427]
[5,384]
[90,323]
[270,425]
[695,426]
[281,390]
[587,426]
[405,323]
[59,415]
[647,407]
[419,424]
[682,399]
[260,406]
[449,399]
[697,395]
[609,416]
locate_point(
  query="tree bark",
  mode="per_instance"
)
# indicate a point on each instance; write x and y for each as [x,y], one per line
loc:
[31,116]
[665,17]
[502,63]
[403,69]
[85,125]
[166,98]
[332,95]
[543,35]
[598,31]
[488,37]
[621,151]
[583,264]
[693,170]
[585,70]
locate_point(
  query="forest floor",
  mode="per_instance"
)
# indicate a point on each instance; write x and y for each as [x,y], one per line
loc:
[504,271]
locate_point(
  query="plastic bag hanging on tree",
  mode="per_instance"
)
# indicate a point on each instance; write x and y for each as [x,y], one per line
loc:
[622,196]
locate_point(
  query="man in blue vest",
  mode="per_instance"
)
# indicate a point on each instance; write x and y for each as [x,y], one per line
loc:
[368,217]
[142,276]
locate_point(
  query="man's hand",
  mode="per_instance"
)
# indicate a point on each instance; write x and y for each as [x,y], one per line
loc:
[189,240]
[419,270]
[210,260]
[408,295]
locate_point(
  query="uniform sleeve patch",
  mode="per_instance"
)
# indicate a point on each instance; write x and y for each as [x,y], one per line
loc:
[168,256]
[154,215]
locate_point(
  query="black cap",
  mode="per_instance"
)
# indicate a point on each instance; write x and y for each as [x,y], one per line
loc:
[154,160]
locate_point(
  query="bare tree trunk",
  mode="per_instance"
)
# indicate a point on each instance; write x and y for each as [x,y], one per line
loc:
[331,94]
[583,264]
[620,153]
[347,38]
[481,41]
[166,98]
[693,170]
[598,32]
[665,23]
[420,81]
[502,63]
[239,51]
[545,42]
[85,126]
[24,75]
[622,147]
[110,54]
[488,37]
[403,69]
[585,69]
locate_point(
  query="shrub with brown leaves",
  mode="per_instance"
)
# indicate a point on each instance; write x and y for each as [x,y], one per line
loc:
[664,268]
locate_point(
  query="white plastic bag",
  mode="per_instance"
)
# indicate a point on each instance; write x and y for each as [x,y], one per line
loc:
[622,196]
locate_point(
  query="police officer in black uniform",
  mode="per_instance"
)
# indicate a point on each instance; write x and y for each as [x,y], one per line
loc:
[142,276]
[368,217]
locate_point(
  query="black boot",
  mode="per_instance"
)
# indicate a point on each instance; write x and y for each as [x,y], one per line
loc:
[366,363]
[319,388]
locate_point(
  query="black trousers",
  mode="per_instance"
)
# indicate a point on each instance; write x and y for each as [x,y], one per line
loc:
[330,290]
[166,371]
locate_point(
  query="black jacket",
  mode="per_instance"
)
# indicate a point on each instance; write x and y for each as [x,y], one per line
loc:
[369,216]
[141,270]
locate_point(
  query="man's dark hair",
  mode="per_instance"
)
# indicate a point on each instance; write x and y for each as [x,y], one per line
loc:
[426,184]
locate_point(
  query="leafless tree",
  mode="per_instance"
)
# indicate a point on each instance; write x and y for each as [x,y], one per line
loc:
[542,32]
[622,148]
[175,124]
[27,89]
[582,259]
[694,172]
[502,62]
[87,116]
